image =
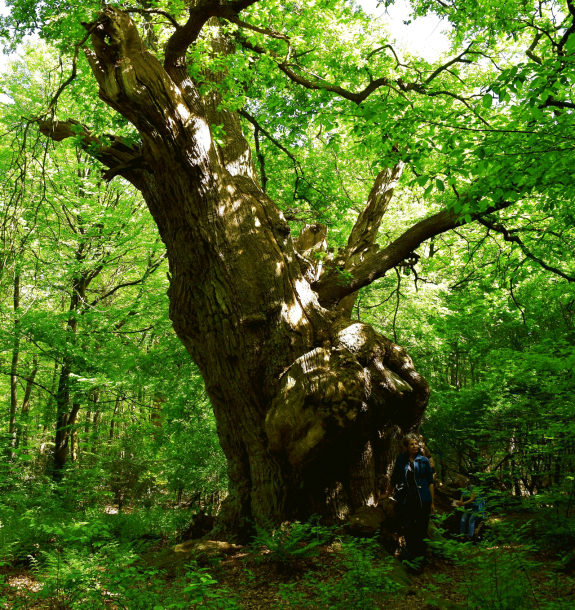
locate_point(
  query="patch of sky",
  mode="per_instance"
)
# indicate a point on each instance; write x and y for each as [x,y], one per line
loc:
[423,36]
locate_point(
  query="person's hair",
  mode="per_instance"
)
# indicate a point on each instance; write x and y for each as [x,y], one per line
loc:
[411,436]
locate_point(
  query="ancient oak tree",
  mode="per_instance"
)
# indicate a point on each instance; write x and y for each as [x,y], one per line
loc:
[308,402]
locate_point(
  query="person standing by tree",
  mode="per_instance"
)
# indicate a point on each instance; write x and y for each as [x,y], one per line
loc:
[412,480]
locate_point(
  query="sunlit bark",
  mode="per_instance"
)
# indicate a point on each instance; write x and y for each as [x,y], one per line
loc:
[308,405]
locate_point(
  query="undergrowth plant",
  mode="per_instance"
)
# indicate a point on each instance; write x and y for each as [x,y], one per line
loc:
[499,573]
[78,579]
[80,556]
[114,576]
[366,577]
[290,541]
[203,592]
[555,526]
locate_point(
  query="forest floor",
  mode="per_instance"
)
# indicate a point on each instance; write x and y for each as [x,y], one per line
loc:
[258,582]
[258,585]
[343,573]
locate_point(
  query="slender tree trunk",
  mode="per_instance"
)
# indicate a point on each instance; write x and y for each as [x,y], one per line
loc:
[48,410]
[95,430]
[14,370]
[22,429]
[113,420]
[62,430]
[73,427]
[65,412]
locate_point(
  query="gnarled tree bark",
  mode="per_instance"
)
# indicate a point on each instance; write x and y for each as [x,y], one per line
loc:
[307,403]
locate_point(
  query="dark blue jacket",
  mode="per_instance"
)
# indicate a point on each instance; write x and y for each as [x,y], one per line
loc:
[423,477]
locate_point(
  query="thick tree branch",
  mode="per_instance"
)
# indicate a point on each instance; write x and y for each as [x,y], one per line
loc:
[571,29]
[199,14]
[398,85]
[154,11]
[531,50]
[361,243]
[315,85]
[499,228]
[330,288]
[121,159]
[364,232]
[397,302]
[557,104]
[261,158]
[458,59]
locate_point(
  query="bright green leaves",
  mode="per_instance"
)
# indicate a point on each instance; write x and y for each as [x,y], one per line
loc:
[570,44]
[47,18]
[428,191]
[487,101]
[218,134]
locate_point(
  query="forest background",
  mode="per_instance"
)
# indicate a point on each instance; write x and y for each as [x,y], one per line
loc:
[107,428]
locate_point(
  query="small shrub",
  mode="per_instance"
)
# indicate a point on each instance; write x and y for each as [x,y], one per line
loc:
[498,572]
[290,541]
[203,593]
[366,576]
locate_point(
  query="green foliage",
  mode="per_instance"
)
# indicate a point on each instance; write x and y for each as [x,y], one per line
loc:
[82,576]
[202,592]
[290,541]
[492,332]
[501,572]
[83,557]
[366,577]
[367,572]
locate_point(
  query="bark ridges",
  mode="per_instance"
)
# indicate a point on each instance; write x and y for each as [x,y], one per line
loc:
[306,402]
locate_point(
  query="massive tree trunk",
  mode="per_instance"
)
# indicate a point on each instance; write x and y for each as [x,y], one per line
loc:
[307,403]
